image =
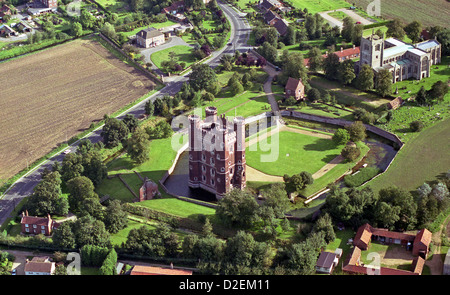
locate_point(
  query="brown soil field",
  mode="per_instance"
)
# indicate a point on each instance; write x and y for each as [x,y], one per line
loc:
[50,96]
[429,13]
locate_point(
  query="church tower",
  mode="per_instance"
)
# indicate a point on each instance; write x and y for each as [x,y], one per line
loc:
[372,48]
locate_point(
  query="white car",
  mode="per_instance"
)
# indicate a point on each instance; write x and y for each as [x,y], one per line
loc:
[67,151]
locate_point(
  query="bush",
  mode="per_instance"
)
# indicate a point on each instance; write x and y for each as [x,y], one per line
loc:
[350,153]
[362,176]
[416,126]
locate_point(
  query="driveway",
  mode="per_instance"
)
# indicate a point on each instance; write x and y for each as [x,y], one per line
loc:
[335,22]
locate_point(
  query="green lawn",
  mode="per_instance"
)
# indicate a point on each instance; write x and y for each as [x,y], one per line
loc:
[182,54]
[314,6]
[424,158]
[296,153]
[177,207]
[118,238]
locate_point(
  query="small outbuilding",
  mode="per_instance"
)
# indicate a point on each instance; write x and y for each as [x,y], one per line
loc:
[326,262]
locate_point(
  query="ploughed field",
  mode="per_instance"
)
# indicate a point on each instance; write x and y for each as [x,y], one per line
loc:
[50,96]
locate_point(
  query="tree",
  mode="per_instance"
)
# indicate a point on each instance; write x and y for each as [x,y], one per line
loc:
[297,182]
[109,31]
[115,218]
[46,198]
[76,29]
[149,108]
[269,51]
[63,236]
[364,81]
[290,37]
[294,66]
[341,136]
[236,88]
[395,29]
[438,90]
[114,132]
[404,204]
[413,31]
[237,209]
[348,29]
[357,34]
[422,96]
[325,225]
[310,26]
[87,20]
[131,122]
[276,198]
[357,131]
[383,83]
[346,71]
[443,37]
[202,76]
[162,129]
[80,189]
[138,146]
[330,66]
[313,94]
[315,59]
[90,231]
[350,153]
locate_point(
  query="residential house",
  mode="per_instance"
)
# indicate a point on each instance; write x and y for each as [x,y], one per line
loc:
[149,37]
[139,270]
[23,27]
[271,17]
[418,244]
[39,266]
[37,225]
[38,7]
[269,4]
[327,262]
[148,190]
[295,88]
[5,10]
[7,31]
[343,54]
[281,25]
[175,11]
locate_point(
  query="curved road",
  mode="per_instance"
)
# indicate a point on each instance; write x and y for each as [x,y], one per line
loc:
[240,31]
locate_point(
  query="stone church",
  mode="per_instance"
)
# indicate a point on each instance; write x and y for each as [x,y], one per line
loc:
[403,60]
[216,153]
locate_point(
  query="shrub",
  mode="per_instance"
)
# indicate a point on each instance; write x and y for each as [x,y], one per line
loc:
[416,126]
[350,153]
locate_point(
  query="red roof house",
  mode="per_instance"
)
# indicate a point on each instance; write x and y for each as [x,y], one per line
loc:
[295,88]
[37,225]
[148,190]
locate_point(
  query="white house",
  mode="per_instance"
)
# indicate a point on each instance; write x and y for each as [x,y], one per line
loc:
[39,266]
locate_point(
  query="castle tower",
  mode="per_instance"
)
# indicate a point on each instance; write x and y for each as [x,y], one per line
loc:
[372,48]
[216,153]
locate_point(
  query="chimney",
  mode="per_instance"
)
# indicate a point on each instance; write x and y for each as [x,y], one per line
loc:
[354,46]
[26,212]
[342,49]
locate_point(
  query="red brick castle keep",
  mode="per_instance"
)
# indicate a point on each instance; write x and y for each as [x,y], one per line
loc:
[216,153]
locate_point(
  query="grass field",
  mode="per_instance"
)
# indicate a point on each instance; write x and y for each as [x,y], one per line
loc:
[183,54]
[297,152]
[429,13]
[40,111]
[423,159]
[314,6]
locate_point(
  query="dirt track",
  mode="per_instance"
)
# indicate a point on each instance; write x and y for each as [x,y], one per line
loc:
[50,96]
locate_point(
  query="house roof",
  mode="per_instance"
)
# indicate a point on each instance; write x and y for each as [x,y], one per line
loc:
[270,15]
[417,265]
[348,52]
[281,25]
[149,33]
[151,270]
[423,236]
[428,44]
[363,234]
[34,220]
[326,259]
[39,266]
[292,84]
[392,234]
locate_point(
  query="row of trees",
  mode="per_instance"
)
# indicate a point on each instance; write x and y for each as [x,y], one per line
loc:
[392,208]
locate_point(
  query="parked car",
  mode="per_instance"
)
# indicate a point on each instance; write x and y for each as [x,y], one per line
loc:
[67,151]
[13,272]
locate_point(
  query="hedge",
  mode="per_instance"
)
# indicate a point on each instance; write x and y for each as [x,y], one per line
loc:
[362,176]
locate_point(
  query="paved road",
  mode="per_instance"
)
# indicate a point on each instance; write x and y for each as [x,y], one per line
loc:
[240,31]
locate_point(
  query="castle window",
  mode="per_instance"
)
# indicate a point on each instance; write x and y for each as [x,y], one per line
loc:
[195,178]
[211,160]
[203,178]
[212,181]
[222,169]
[190,167]
[213,172]
[203,157]
[203,168]
[218,157]
[239,161]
